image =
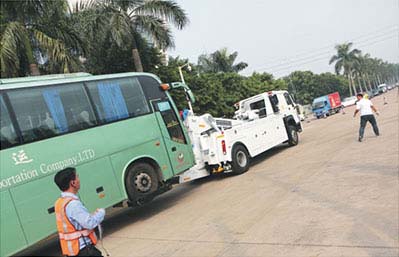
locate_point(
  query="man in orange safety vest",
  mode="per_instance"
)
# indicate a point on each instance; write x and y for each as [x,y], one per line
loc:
[75,224]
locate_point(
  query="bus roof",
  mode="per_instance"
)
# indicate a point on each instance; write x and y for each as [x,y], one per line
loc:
[43,77]
[48,80]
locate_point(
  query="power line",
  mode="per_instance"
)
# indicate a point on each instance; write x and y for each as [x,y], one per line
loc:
[326,56]
[367,37]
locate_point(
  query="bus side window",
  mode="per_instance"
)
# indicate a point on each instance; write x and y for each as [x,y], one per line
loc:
[50,115]
[118,99]
[78,111]
[171,122]
[8,136]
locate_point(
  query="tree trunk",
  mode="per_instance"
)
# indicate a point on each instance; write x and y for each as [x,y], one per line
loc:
[350,85]
[136,57]
[369,82]
[353,83]
[360,84]
[365,83]
[137,60]
[33,69]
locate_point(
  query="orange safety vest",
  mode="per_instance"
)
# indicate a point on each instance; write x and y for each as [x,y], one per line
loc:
[69,235]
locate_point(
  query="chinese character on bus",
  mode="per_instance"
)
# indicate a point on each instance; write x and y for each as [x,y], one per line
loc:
[21,158]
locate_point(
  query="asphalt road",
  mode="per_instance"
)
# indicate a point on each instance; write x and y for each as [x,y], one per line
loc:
[328,196]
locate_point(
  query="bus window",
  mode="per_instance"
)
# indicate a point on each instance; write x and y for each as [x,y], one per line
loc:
[58,110]
[8,136]
[151,88]
[118,99]
[171,121]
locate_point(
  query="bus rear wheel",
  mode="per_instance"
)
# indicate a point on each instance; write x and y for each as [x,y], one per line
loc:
[141,183]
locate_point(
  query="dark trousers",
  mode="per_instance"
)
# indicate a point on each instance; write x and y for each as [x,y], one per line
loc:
[363,121]
[90,250]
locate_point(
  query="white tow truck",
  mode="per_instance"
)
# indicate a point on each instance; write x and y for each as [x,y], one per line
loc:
[227,145]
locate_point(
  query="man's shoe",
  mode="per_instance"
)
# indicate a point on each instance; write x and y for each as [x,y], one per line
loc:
[360,139]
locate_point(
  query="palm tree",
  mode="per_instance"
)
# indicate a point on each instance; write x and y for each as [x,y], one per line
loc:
[220,61]
[128,19]
[345,59]
[36,31]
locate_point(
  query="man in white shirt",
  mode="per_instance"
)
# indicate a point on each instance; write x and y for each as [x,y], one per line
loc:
[366,108]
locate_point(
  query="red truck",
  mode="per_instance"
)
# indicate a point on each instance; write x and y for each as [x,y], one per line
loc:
[326,105]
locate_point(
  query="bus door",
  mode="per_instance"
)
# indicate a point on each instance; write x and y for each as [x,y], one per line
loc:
[177,145]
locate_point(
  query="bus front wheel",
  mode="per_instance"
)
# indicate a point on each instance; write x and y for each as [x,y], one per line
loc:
[141,183]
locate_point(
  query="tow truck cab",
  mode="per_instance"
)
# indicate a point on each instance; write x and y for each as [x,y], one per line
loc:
[278,103]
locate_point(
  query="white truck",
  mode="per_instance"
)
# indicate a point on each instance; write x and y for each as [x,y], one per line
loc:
[227,145]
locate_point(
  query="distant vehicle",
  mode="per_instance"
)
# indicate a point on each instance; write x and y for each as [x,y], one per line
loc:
[326,105]
[382,88]
[348,101]
[375,92]
[369,94]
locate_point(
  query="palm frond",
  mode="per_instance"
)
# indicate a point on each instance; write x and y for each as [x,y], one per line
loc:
[167,10]
[120,28]
[56,50]
[11,41]
[156,28]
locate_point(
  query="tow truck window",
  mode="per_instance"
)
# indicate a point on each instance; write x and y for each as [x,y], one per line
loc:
[288,99]
[274,102]
[259,105]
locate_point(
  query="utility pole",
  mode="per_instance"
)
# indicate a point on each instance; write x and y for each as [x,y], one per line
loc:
[182,80]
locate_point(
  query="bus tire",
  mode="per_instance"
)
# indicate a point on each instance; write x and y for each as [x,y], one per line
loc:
[293,137]
[141,183]
[240,159]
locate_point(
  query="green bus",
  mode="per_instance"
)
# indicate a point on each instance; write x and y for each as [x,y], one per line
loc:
[122,132]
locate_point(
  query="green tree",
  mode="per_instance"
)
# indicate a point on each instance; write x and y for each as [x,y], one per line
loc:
[306,86]
[127,19]
[345,59]
[37,32]
[220,61]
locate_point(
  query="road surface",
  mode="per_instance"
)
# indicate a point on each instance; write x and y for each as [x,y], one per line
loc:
[328,196]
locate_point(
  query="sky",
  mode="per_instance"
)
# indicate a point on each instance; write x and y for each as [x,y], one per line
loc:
[281,36]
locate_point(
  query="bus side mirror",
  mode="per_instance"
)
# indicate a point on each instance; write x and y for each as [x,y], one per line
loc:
[190,95]
[187,90]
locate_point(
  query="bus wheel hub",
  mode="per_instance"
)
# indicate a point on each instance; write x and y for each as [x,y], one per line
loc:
[143,182]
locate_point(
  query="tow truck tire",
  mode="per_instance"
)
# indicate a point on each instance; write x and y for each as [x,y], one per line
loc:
[240,159]
[141,183]
[293,137]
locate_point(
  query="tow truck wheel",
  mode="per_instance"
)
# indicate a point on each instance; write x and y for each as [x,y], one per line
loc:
[293,137]
[240,159]
[141,183]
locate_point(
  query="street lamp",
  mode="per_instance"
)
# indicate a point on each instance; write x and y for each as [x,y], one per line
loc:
[182,80]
